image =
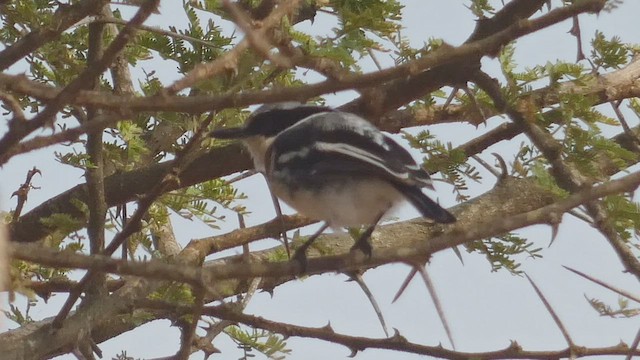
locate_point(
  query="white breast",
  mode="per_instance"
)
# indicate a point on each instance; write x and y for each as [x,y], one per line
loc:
[257,146]
[346,205]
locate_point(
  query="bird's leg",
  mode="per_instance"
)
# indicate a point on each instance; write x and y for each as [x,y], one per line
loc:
[363,243]
[301,253]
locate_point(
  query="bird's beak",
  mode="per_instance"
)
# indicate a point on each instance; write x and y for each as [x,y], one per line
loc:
[229,133]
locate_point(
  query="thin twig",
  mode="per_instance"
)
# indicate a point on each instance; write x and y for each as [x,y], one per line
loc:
[398,342]
[373,57]
[189,330]
[228,61]
[22,193]
[154,29]
[257,39]
[581,216]
[213,330]
[625,126]
[13,105]
[99,122]
[244,175]
[489,168]
[475,103]
[63,18]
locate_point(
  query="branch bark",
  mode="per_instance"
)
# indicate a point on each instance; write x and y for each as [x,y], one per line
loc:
[478,218]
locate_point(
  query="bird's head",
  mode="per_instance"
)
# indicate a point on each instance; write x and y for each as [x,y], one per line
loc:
[264,124]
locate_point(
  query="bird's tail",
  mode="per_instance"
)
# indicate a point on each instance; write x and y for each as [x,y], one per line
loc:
[427,207]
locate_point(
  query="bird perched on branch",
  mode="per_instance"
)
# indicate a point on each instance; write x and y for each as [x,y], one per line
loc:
[333,166]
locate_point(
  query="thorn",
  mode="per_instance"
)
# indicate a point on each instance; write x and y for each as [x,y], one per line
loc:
[405,283]
[504,171]
[355,276]
[514,346]
[450,98]
[605,285]
[554,232]
[552,312]
[397,337]
[354,352]
[328,328]
[268,291]
[456,250]
[436,301]
[554,222]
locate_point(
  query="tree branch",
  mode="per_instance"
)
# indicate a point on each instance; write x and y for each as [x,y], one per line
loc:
[511,194]
[95,171]
[397,342]
[65,16]
[203,103]
[566,174]
[400,242]
[18,130]
[182,160]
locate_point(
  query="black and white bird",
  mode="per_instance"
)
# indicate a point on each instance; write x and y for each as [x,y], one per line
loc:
[333,166]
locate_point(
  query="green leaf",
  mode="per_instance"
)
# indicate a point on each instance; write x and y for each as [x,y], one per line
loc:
[610,53]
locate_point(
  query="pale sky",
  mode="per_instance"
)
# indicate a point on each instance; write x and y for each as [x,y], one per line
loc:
[485,310]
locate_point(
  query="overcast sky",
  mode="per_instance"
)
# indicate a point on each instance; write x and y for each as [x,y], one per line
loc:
[485,310]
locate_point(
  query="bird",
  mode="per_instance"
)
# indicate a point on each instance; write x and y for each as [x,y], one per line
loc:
[333,166]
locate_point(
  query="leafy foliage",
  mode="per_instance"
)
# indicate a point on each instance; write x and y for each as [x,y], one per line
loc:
[625,215]
[451,163]
[481,8]
[623,309]
[188,55]
[17,316]
[608,53]
[502,251]
[271,345]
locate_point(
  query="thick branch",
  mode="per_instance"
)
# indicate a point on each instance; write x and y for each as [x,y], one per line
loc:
[445,55]
[615,86]
[95,173]
[113,315]
[124,187]
[479,218]
[401,242]
[121,188]
[510,23]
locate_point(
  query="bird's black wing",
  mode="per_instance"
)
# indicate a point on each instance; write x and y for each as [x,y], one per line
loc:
[333,143]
